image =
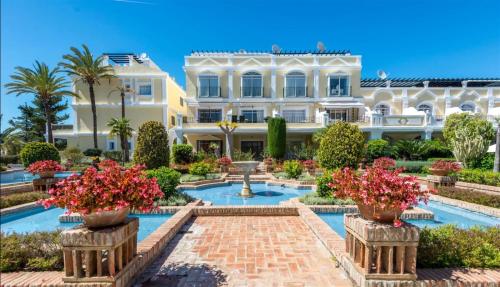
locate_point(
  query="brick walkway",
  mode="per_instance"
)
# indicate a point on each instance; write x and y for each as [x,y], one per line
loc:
[244,251]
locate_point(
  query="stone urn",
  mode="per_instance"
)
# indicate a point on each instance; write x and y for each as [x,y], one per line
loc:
[47,174]
[246,167]
[377,214]
[106,218]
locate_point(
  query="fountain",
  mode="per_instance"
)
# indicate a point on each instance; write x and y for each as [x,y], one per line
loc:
[246,167]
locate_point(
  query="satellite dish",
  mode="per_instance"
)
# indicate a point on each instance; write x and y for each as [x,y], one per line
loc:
[382,75]
[276,49]
[320,46]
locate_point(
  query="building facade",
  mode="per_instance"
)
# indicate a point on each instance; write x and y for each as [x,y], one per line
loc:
[152,95]
[311,90]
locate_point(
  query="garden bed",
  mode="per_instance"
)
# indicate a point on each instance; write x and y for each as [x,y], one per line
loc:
[469,195]
[21,198]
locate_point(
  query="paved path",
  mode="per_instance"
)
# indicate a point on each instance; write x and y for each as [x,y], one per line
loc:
[244,251]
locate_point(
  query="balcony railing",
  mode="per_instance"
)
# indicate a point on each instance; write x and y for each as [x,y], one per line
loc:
[338,92]
[295,92]
[301,120]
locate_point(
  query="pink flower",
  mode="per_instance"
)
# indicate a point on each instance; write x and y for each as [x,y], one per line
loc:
[44,165]
[397,223]
[224,161]
[446,165]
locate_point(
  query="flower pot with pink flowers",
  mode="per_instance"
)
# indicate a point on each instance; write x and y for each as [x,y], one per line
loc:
[224,162]
[104,198]
[444,167]
[380,193]
[45,168]
[310,166]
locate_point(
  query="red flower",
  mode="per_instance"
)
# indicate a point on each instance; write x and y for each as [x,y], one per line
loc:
[44,165]
[225,160]
[309,164]
[384,162]
[446,165]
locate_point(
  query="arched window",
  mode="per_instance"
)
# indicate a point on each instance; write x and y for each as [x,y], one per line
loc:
[425,108]
[382,109]
[468,107]
[295,85]
[251,85]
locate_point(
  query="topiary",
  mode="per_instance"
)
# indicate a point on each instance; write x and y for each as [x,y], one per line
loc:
[35,151]
[167,179]
[152,145]
[378,148]
[92,152]
[293,168]
[276,137]
[182,153]
[200,168]
[342,145]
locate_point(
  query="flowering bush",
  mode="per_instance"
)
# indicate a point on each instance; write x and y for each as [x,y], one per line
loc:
[224,161]
[378,188]
[309,164]
[384,162]
[446,165]
[112,188]
[44,165]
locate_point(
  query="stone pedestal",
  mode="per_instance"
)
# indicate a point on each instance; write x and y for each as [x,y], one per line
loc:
[44,184]
[436,181]
[380,252]
[99,255]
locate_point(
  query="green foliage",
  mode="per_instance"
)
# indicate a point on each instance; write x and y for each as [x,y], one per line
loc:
[437,149]
[378,148]
[92,152]
[473,123]
[177,199]
[242,156]
[276,137]
[115,155]
[485,163]
[9,159]
[200,168]
[36,151]
[191,177]
[411,149]
[20,198]
[468,146]
[450,246]
[293,168]
[322,188]
[413,166]
[342,145]
[479,176]
[301,152]
[37,251]
[314,198]
[73,154]
[167,179]
[482,198]
[182,153]
[152,145]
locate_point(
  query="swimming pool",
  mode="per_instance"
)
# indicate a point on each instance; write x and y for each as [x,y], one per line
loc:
[39,219]
[443,214]
[264,194]
[17,176]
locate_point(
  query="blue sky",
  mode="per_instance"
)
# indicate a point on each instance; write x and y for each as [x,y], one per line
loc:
[405,38]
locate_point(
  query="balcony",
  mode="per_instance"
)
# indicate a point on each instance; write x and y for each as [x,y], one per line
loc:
[295,92]
[338,92]
[252,92]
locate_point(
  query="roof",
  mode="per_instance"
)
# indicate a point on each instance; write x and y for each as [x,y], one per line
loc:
[122,58]
[264,52]
[433,82]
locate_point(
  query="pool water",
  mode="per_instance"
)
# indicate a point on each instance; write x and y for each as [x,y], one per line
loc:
[39,219]
[443,214]
[23,176]
[229,194]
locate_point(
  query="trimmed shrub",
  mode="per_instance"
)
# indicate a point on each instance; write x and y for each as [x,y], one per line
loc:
[293,168]
[37,251]
[21,198]
[479,176]
[73,154]
[472,196]
[414,166]
[276,137]
[378,148]
[152,145]
[92,152]
[9,159]
[182,153]
[322,188]
[113,155]
[450,246]
[167,178]
[36,151]
[342,145]
[200,168]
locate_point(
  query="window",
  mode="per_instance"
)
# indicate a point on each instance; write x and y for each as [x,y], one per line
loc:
[181,101]
[209,86]
[253,116]
[251,85]
[209,116]
[468,107]
[382,109]
[295,84]
[172,120]
[111,145]
[294,116]
[144,88]
[338,86]
[425,108]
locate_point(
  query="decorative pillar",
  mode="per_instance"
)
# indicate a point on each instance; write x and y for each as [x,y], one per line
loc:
[404,97]
[230,73]
[273,77]
[316,82]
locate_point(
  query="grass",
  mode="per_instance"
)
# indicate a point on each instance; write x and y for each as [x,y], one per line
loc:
[313,198]
[470,196]
[21,198]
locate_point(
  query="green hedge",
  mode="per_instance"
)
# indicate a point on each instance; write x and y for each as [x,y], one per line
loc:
[92,152]
[342,145]
[36,151]
[182,153]
[276,137]
[152,145]
[167,179]
[450,246]
[315,199]
[20,198]
[480,176]
[378,148]
[471,196]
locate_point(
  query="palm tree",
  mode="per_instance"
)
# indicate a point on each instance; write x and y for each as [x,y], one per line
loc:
[84,67]
[45,84]
[121,128]
[122,90]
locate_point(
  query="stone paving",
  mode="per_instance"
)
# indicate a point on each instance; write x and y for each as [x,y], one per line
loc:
[244,251]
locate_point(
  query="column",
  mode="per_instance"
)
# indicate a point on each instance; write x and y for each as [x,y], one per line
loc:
[491,102]
[404,97]
[273,77]
[316,82]
[230,73]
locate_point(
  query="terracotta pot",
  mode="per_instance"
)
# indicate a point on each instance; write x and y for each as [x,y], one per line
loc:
[47,174]
[439,172]
[105,218]
[377,214]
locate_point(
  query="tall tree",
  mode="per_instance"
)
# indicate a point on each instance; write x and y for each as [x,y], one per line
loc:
[121,128]
[30,124]
[82,66]
[122,90]
[45,84]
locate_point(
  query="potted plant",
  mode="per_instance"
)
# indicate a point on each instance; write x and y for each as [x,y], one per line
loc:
[224,163]
[310,166]
[104,198]
[380,194]
[45,168]
[444,167]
